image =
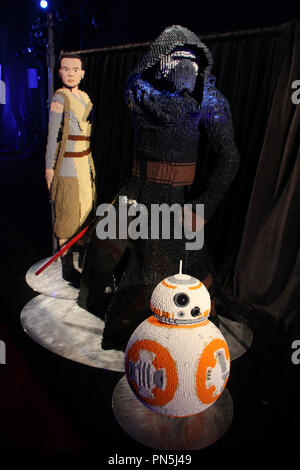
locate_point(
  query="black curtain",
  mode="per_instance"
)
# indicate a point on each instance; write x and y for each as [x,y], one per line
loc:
[267,273]
[253,237]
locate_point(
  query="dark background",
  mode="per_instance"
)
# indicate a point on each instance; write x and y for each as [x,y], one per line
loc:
[50,403]
[122,21]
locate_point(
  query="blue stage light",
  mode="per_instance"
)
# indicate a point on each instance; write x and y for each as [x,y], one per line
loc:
[44,4]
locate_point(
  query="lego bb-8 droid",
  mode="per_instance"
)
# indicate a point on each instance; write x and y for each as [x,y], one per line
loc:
[177,362]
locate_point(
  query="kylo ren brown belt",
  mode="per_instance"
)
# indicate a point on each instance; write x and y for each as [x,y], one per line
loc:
[175,174]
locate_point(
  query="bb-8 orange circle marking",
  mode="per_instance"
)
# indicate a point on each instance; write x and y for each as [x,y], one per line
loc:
[208,359]
[162,360]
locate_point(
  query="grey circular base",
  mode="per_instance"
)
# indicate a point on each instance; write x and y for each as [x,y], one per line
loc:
[50,281]
[238,336]
[64,328]
[163,432]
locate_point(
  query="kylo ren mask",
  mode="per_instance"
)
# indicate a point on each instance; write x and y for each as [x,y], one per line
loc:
[179,69]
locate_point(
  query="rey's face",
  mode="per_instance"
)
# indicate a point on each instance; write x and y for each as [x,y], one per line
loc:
[71,72]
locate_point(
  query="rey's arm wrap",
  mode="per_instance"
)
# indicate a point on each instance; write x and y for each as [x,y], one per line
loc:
[54,126]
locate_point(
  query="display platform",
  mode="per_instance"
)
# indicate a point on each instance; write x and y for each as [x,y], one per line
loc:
[66,329]
[238,336]
[50,281]
[166,433]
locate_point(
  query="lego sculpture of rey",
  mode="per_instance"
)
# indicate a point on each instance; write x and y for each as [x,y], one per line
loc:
[70,172]
[173,101]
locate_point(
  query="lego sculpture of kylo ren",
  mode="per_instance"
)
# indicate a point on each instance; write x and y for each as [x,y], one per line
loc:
[173,100]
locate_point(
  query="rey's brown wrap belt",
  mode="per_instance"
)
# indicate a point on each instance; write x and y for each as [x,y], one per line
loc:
[175,174]
[77,154]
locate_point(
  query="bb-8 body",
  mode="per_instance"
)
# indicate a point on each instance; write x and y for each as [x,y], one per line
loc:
[177,362]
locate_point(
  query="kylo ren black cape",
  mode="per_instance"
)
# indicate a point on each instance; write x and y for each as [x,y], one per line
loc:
[167,122]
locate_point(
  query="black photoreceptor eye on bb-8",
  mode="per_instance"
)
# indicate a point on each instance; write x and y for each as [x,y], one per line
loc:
[182,300]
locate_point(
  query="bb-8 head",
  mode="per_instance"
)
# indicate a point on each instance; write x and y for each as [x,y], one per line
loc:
[180,299]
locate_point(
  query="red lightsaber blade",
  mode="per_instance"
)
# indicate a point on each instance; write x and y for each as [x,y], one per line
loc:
[63,249]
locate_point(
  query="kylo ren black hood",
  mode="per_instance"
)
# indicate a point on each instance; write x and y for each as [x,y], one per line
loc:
[170,39]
